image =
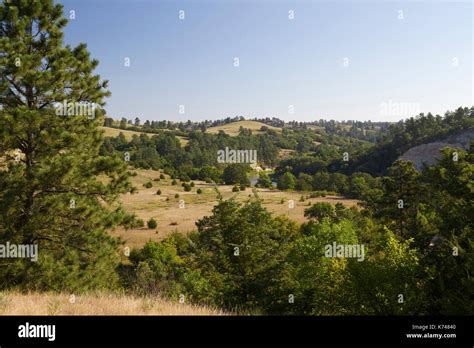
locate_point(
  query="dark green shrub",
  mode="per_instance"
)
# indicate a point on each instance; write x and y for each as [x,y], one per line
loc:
[151,223]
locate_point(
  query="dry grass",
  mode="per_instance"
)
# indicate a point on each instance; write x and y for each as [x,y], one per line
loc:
[147,204]
[13,303]
[113,132]
[285,153]
[232,129]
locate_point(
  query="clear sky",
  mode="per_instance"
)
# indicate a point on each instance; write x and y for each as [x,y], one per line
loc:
[335,59]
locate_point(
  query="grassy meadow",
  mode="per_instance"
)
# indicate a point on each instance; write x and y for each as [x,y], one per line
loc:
[164,208]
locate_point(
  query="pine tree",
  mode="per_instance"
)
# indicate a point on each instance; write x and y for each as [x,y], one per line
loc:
[239,249]
[399,204]
[50,192]
[286,182]
[449,256]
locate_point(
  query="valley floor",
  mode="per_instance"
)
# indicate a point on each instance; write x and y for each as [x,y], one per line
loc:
[165,208]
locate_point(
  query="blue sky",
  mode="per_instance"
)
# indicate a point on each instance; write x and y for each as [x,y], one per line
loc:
[424,59]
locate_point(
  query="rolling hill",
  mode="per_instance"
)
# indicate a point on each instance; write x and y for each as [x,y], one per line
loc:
[232,128]
[113,132]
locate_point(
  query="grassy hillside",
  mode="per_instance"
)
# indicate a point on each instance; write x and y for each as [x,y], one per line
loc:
[113,132]
[13,303]
[232,129]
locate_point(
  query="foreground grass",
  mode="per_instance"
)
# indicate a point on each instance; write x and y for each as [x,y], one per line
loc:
[14,303]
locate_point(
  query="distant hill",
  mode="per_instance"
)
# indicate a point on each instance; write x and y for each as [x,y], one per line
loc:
[232,128]
[113,132]
[417,138]
[428,153]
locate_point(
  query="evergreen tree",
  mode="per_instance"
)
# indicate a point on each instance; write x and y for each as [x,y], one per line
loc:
[399,203]
[449,246]
[286,182]
[239,249]
[320,211]
[123,123]
[236,174]
[264,180]
[50,194]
